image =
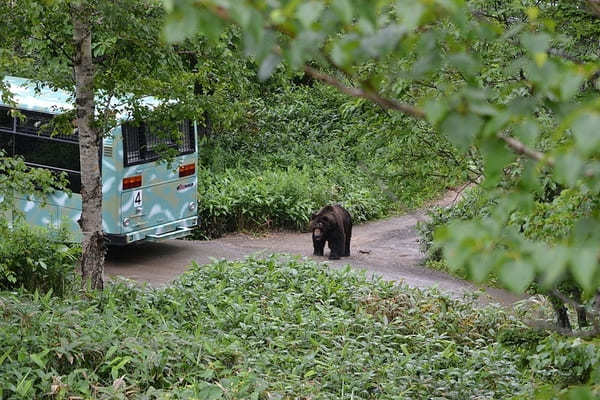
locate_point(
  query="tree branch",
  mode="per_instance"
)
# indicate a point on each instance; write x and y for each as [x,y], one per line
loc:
[390,104]
[594,7]
[520,148]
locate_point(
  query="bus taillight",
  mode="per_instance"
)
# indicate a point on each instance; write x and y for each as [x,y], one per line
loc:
[132,182]
[187,170]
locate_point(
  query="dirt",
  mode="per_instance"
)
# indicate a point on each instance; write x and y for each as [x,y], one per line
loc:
[386,248]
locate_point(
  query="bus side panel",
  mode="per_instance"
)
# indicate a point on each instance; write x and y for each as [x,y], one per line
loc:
[112,173]
[36,212]
[69,212]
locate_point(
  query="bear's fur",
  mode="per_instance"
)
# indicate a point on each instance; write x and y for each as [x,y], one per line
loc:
[332,224]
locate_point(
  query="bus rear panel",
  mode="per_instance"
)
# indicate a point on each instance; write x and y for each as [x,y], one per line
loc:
[154,200]
[143,197]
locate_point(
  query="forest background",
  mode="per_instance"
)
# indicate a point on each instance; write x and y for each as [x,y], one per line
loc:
[500,93]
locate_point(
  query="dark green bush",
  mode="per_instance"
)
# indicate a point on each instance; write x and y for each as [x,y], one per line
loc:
[35,258]
[472,204]
[574,361]
[245,199]
[256,329]
[300,147]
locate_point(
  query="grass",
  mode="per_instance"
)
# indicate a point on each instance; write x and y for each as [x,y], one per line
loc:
[273,328]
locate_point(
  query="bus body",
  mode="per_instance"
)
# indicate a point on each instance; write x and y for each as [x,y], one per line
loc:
[143,198]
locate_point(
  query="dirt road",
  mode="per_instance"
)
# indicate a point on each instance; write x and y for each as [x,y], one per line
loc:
[387,248]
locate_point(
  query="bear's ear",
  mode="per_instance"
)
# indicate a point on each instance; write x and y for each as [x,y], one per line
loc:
[313,216]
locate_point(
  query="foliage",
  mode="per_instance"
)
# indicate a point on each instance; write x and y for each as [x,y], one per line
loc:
[18,178]
[36,258]
[31,258]
[472,203]
[259,328]
[499,79]
[244,199]
[567,360]
[303,145]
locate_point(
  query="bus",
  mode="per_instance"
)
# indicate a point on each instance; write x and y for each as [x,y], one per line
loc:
[144,198]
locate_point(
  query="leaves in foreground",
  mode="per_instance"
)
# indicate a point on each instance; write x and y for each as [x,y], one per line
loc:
[269,328]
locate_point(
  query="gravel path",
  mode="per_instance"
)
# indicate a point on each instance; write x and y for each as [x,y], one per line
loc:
[386,247]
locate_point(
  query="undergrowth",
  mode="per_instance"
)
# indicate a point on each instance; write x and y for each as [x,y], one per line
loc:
[300,147]
[269,328]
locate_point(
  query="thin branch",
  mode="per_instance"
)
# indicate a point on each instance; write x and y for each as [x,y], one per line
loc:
[520,148]
[390,104]
[594,7]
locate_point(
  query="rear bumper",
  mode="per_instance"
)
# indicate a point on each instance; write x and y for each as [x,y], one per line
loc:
[171,230]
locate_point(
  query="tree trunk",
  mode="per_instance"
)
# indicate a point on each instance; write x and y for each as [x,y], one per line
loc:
[92,258]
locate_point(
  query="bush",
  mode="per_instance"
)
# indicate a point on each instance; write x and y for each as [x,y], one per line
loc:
[305,146]
[35,258]
[259,328]
[472,204]
[245,199]
[567,360]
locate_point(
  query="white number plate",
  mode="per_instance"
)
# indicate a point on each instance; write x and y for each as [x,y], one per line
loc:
[137,198]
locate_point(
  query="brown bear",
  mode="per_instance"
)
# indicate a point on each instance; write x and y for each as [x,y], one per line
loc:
[332,224]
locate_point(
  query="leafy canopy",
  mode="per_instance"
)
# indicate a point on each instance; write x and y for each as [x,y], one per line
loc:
[503,82]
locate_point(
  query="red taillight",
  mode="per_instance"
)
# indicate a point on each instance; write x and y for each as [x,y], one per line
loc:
[132,182]
[187,170]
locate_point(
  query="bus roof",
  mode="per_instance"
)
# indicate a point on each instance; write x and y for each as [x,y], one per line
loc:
[31,96]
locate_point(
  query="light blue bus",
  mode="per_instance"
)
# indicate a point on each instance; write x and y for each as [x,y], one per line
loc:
[143,198]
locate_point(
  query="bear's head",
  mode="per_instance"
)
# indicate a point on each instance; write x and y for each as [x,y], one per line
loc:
[319,224]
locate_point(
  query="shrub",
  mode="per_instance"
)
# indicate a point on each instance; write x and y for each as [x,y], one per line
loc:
[35,258]
[472,204]
[573,361]
[245,199]
[260,328]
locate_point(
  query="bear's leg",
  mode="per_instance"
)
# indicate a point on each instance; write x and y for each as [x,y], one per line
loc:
[582,320]
[336,244]
[562,318]
[318,245]
[347,244]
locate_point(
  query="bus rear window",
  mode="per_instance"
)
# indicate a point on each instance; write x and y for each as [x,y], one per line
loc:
[6,119]
[142,145]
[34,142]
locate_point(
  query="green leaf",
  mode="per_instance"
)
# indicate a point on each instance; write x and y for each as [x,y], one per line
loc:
[309,12]
[527,132]
[181,24]
[465,63]
[461,130]
[435,110]
[480,267]
[411,13]
[303,47]
[210,392]
[343,9]
[586,130]
[536,43]
[551,263]
[38,359]
[517,275]
[496,158]
[568,168]
[584,262]
[268,66]
[570,85]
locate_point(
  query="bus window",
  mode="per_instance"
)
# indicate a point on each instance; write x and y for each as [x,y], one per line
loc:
[32,123]
[140,142]
[48,152]
[7,144]
[6,120]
